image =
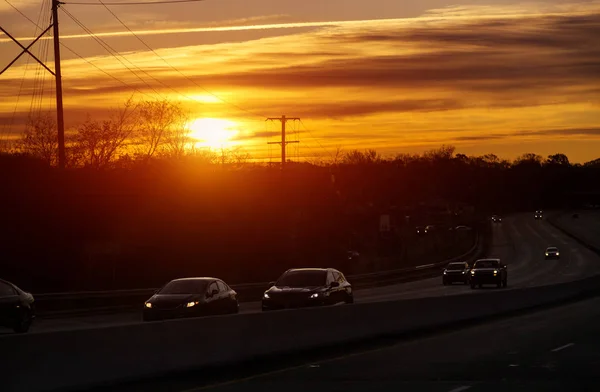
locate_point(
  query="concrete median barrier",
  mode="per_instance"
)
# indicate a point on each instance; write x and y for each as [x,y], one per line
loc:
[77,359]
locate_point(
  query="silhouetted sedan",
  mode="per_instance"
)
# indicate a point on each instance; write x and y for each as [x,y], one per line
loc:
[489,271]
[305,287]
[456,272]
[552,253]
[17,310]
[191,297]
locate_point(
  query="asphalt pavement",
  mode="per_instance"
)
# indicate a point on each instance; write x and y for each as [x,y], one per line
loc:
[550,350]
[520,241]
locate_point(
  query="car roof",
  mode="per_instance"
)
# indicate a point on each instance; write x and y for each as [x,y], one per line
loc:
[309,269]
[498,260]
[551,247]
[195,278]
[457,263]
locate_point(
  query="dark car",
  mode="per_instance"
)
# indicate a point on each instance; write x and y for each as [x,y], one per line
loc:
[496,219]
[489,271]
[539,214]
[456,272]
[421,230]
[304,287]
[17,309]
[552,253]
[191,297]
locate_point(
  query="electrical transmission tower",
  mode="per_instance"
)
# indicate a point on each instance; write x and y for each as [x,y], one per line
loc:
[283,142]
[56,73]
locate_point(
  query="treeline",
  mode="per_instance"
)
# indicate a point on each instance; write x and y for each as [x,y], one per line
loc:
[135,133]
[141,222]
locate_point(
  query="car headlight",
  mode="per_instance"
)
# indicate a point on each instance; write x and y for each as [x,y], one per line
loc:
[463,272]
[190,304]
[266,296]
[558,254]
[546,253]
[472,272]
[315,295]
[445,272]
[148,305]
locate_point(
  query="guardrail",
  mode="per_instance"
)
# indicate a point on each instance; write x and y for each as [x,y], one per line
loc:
[72,303]
[85,358]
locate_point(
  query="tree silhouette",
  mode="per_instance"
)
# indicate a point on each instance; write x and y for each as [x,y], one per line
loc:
[40,139]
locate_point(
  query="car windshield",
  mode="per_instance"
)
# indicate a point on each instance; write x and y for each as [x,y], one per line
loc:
[551,249]
[486,264]
[184,287]
[455,267]
[302,279]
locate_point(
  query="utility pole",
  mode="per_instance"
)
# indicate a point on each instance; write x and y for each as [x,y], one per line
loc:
[283,142]
[56,73]
[60,122]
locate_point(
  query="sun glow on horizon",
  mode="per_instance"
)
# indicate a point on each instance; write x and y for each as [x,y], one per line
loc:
[213,132]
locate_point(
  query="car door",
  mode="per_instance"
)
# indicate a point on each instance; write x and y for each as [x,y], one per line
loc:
[342,286]
[9,300]
[331,290]
[224,302]
[344,282]
[212,298]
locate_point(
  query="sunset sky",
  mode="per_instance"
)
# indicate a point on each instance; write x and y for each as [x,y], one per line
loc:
[486,76]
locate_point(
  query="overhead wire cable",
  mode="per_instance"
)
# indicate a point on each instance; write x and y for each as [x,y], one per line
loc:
[135,2]
[114,53]
[177,70]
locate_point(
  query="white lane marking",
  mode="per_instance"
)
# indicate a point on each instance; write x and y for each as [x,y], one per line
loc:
[424,266]
[461,388]
[513,365]
[562,347]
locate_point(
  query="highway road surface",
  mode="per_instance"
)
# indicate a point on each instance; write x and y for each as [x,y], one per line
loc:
[550,350]
[520,241]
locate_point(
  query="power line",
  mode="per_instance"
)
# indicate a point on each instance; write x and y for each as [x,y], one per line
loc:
[114,53]
[22,14]
[317,140]
[137,3]
[80,56]
[104,72]
[175,69]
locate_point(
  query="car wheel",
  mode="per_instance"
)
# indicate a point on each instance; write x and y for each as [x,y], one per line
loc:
[444,282]
[473,286]
[349,299]
[23,324]
[505,283]
[480,285]
[499,284]
[235,308]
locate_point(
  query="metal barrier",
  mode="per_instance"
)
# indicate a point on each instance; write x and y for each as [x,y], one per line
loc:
[85,302]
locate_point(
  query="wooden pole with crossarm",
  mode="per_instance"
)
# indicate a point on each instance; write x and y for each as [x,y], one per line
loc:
[283,142]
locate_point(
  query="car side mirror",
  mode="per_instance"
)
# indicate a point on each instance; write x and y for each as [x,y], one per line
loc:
[271,284]
[214,292]
[334,284]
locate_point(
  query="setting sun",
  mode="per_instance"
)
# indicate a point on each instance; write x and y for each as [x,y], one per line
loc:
[213,132]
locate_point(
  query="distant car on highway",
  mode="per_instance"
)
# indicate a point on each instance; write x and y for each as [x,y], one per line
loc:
[17,309]
[539,214]
[421,230]
[191,297]
[304,287]
[489,271]
[552,253]
[496,219]
[456,272]
[463,228]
